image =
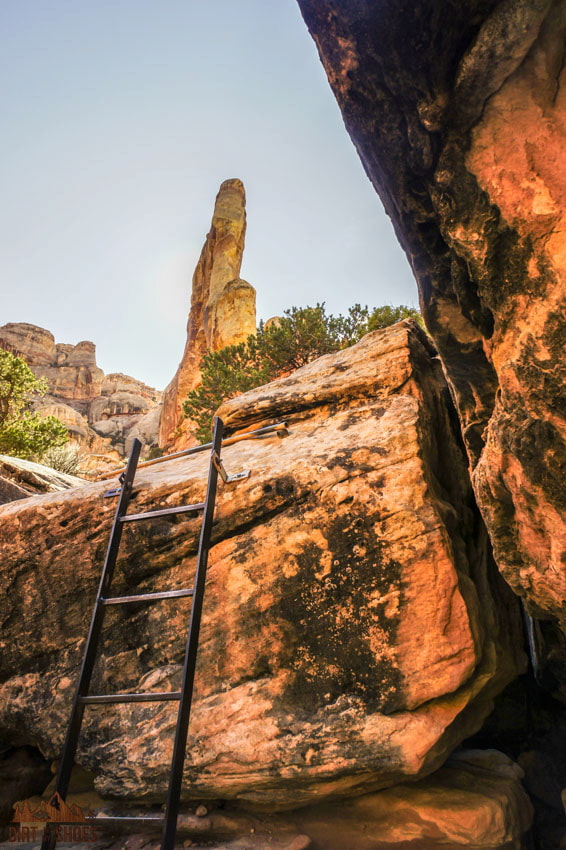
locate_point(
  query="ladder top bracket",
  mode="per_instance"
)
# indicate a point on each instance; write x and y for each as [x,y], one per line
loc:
[228,479]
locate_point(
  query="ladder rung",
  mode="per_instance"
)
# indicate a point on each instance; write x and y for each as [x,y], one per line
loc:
[158,696]
[142,820]
[183,509]
[148,597]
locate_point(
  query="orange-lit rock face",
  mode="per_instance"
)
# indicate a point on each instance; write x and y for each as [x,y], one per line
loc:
[222,306]
[355,628]
[458,111]
[517,157]
[476,800]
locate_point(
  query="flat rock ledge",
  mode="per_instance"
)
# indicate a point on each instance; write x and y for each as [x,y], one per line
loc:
[22,478]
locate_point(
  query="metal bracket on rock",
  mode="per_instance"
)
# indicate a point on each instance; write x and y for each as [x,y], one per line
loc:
[228,479]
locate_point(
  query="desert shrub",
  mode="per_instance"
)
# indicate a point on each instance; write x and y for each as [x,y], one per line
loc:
[67,459]
[154,452]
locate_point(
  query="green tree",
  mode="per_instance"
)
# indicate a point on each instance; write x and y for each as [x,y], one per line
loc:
[23,433]
[224,374]
[382,317]
[301,335]
[351,328]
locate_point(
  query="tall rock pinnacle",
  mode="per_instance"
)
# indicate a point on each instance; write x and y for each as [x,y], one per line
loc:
[222,304]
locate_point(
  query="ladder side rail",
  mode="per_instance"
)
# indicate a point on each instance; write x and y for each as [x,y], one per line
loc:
[91,646]
[183,717]
[280,428]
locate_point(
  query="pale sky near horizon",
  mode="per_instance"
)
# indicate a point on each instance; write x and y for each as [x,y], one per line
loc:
[120,121]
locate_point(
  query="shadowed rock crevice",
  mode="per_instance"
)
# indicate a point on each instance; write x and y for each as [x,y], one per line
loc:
[23,773]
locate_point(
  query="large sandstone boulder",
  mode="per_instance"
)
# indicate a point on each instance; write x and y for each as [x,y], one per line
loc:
[458,111]
[222,307]
[355,628]
[476,800]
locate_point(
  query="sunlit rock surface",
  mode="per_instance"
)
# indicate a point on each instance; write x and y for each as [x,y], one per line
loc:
[22,478]
[355,627]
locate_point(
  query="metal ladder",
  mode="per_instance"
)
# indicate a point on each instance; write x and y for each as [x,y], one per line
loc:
[104,599]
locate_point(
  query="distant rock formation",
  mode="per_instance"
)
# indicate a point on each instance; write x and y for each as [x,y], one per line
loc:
[222,306]
[102,412]
[105,412]
[70,370]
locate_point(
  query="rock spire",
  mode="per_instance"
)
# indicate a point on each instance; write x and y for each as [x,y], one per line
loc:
[222,304]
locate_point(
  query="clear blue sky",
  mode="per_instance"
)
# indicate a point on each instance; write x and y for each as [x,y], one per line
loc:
[120,120]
